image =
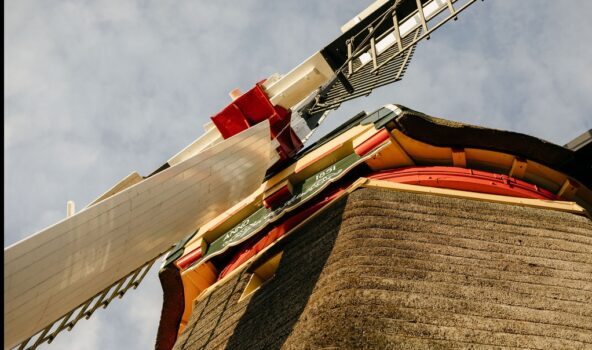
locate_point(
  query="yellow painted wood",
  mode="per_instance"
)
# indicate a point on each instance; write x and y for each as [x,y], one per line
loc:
[422,153]
[277,187]
[567,206]
[488,160]
[568,190]
[544,176]
[518,169]
[459,158]
[261,274]
[327,154]
[390,156]
[194,282]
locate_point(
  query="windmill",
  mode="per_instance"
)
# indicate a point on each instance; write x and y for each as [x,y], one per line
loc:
[141,272]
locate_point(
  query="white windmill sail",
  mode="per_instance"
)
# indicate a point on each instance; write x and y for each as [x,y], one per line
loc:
[56,270]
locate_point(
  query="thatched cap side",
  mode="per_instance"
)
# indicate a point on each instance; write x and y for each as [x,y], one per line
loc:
[446,133]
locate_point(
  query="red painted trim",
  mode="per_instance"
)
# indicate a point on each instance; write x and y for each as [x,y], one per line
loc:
[465,180]
[230,121]
[372,142]
[188,259]
[277,198]
[253,107]
[251,248]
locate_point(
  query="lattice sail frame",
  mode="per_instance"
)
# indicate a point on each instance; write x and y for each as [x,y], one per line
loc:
[381,56]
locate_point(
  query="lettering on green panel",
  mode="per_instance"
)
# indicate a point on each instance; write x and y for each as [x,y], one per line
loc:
[302,192]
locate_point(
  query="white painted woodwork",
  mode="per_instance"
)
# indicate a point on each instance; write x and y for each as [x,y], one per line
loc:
[211,137]
[53,271]
[293,87]
[365,13]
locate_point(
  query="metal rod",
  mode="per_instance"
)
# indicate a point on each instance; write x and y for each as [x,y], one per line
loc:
[115,292]
[405,61]
[451,8]
[148,266]
[422,17]
[80,314]
[24,343]
[415,41]
[373,52]
[129,284]
[60,327]
[41,339]
[369,35]
[350,62]
[89,313]
[404,47]
[397,32]
[363,47]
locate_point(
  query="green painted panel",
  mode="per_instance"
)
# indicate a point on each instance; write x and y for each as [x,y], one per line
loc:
[302,192]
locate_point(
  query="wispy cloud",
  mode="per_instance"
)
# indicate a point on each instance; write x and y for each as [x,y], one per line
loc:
[94,90]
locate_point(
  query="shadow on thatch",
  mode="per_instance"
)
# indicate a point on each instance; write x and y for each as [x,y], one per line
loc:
[274,309]
[266,318]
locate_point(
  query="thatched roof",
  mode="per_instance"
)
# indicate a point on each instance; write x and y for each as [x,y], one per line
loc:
[442,132]
[385,269]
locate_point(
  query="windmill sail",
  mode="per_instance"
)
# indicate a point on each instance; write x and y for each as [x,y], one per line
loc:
[61,267]
[376,49]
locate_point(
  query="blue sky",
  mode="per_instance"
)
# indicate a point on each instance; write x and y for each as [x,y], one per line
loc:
[95,90]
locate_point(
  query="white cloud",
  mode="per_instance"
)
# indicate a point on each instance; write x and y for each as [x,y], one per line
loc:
[94,90]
